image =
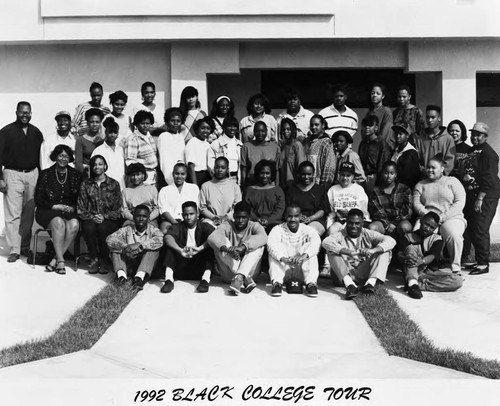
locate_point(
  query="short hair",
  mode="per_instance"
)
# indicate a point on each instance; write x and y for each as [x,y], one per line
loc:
[141,207]
[263,99]
[62,148]
[118,95]
[111,125]
[292,94]
[222,158]
[230,121]
[339,87]
[187,92]
[180,165]
[438,158]
[174,111]
[136,167]
[342,133]
[197,124]
[433,215]
[260,123]
[215,106]
[382,87]
[189,203]
[292,206]
[433,107]
[95,85]
[405,87]
[94,111]
[142,115]
[92,162]
[387,164]
[306,164]
[355,212]
[23,103]
[242,206]
[261,165]
[293,126]
[370,119]
[321,118]
[146,85]
[463,130]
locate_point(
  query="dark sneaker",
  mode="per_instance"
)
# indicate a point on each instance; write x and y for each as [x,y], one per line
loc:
[138,283]
[311,290]
[203,286]
[94,266]
[351,292]
[369,289]
[237,284]
[13,257]
[414,292]
[249,284]
[167,287]
[277,289]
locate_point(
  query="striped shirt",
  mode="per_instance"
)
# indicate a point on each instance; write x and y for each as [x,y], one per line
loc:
[348,120]
[80,124]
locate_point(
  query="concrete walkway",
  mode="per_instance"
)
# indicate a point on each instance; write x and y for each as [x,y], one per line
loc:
[34,303]
[466,320]
[213,335]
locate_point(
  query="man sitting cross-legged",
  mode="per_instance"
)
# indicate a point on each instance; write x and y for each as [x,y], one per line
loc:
[135,248]
[421,253]
[188,255]
[358,255]
[238,247]
[293,248]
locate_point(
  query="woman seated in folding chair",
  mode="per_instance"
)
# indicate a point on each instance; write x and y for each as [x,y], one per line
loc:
[56,196]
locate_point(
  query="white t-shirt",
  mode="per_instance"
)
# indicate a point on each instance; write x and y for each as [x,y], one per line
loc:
[170,199]
[197,153]
[115,160]
[171,149]
[191,242]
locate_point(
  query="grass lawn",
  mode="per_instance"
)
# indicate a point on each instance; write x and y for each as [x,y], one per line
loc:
[401,336]
[80,332]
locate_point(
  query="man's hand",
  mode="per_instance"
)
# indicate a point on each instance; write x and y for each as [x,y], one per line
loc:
[133,250]
[240,251]
[263,222]
[3,186]
[186,252]
[390,229]
[98,218]
[366,252]
[286,260]
[217,221]
[195,250]
[298,259]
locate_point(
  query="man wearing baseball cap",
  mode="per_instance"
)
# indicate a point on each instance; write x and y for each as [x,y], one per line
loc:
[406,157]
[62,136]
[483,191]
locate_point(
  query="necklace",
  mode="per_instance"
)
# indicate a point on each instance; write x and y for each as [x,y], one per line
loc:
[65,176]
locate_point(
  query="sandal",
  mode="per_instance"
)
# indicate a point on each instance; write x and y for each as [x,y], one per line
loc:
[61,270]
[50,267]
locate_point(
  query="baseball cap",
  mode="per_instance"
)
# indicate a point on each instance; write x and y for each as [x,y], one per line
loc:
[293,285]
[347,167]
[62,113]
[480,128]
[399,128]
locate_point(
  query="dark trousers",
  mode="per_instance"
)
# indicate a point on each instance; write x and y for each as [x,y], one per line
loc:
[95,235]
[478,228]
[189,268]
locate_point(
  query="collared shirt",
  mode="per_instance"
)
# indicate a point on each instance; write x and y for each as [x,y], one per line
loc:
[301,120]
[115,160]
[171,149]
[373,154]
[226,147]
[247,123]
[391,208]
[142,149]
[151,239]
[50,143]
[197,153]
[19,150]
[105,199]
[348,120]
[79,123]
[170,198]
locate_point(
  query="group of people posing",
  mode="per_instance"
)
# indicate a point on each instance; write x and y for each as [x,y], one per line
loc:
[194,194]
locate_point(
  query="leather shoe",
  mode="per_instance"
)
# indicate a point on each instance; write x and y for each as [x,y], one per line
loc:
[139,283]
[121,280]
[203,286]
[479,271]
[415,292]
[13,257]
[167,287]
[351,292]
[369,289]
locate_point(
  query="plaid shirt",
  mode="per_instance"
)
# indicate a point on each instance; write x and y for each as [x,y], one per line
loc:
[391,208]
[142,149]
[105,199]
[320,152]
